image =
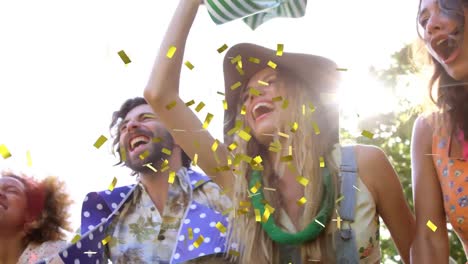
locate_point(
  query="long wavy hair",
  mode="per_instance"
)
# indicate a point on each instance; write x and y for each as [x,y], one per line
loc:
[451,95]
[307,148]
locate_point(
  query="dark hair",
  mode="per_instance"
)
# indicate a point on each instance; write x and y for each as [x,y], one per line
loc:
[119,115]
[452,96]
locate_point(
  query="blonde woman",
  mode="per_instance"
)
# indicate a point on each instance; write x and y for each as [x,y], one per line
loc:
[295,151]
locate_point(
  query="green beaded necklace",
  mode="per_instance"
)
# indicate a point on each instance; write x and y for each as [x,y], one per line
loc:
[311,231]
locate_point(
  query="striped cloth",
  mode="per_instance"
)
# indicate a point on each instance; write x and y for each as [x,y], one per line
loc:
[254,12]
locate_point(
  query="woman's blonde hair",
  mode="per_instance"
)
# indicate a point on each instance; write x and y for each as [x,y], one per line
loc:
[307,148]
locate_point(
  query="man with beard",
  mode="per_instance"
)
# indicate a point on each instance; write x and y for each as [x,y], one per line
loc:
[172,214]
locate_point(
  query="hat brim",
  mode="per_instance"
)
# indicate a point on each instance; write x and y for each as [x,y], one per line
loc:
[319,73]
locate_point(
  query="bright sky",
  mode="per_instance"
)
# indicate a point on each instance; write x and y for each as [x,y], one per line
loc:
[61,77]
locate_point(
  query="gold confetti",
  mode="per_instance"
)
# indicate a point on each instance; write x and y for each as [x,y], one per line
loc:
[254,60]
[258,159]
[367,134]
[221,227]
[303,109]
[338,222]
[144,155]
[322,162]
[269,189]
[279,50]
[225,212]
[171,52]
[285,104]
[255,188]
[431,225]
[233,146]
[28,158]
[316,128]
[312,107]
[318,222]
[75,239]
[171,178]
[236,59]
[189,103]
[171,105]
[243,110]
[208,119]
[294,127]
[266,215]
[244,203]
[286,158]
[156,139]
[123,154]
[302,180]
[236,85]
[164,166]
[214,147]
[239,68]
[277,99]
[189,65]
[222,48]
[254,91]
[269,208]
[257,215]
[244,135]
[190,233]
[200,106]
[281,134]
[339,199]
[112,185]
[225,105]
[198,242]
[166,151]
[106,240]
[272,64]
[195,159]
[151,167]
[124,57]
[290,151]
[341,69]
[220,93]
[234,253]
[301,201]
[263,83]
[100,141]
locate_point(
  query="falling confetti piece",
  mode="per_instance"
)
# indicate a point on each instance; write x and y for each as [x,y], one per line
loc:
[75,239]
[189,65]
[318,222]
[123,154]
[258,159]
[272,64]
[367,134]
[106,240]
[222,48]
[266,215]
[225,212]
[198,242]
[322,162]
[221,227]
[244,135]
[316,128]
[234,253]
[302,180]
[28,158]
[254,60]
[156,139]
[339,199]
[254,91]
[281,134]
[236,59]
[190,233]
[258,218]
[263,83]
[208,119]
[243,110]
[279,50]
[301,201]
[431,225]
[269,189]
[189,103]
[233,146]
[144,155]
[151,167]
[214,147]
[303,109]
[285,104]
[341,69]
[255,188]
[100,141]
[338,222]
[225,105]
[171,52]
[171,105]
[294,127]
[286,158]
[166,151]
[195,159]
[112,185]
[171,178]
[124,57]
[200,106]
[236,85]
[277,99]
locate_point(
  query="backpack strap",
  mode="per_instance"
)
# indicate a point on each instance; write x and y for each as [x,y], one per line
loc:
[345,238]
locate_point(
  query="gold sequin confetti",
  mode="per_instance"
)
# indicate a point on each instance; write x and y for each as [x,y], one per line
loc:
[190,233]
[431,225]
[233,146]
[255,188]
[195,159]
[189,65]
[239,69]
[199,241]
[318,222]
[214,147]
[244,203]
[312,107]
[112,185]
[279,50]
[269,208]
[243,110]
[200,106]
[367,134]
[75,239]
[236,85]
[258,159]
[225,105]
[236,59]
[144,155]
[277,99]
[302,180]
[234,253]
[222,48]
[301,201]
[106,240]
[244,135]
[303,109]
[266,215]
[225,212]
[208,119]
[339,199]
[242,211]
[171,178]
[341,69]
[123,154]
[294,127]
[171,52]
[258,218]
[290,150]
[254,60]
[151,167]
[254,91]
[189,103]
[285,104]
[272,64]
[263,83]
[221,227]
[166,151]
[28,158]
[156,139]
[338,222]
[322,162]
[281,134]
[286,158]
[100,141]
[124,57]
[165,165]
[316,128]
[171,105]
